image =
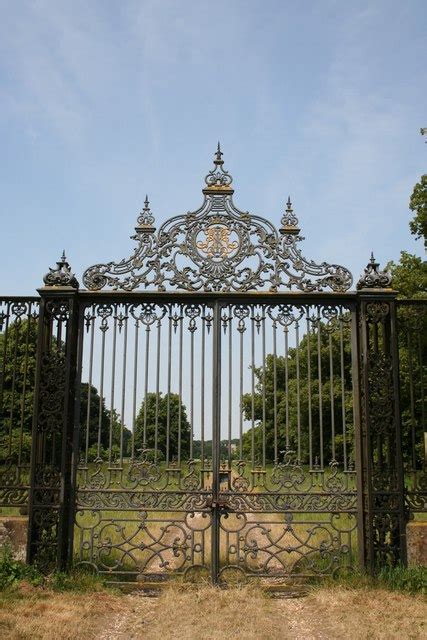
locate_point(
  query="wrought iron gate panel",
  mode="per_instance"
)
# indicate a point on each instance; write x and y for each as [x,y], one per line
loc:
[412,324]
[288,498]
[144,493]
[184,489]
[18,341]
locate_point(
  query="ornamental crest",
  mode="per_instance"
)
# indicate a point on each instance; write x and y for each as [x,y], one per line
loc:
[217,248]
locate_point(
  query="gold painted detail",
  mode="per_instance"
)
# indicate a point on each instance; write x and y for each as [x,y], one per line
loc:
[217,244]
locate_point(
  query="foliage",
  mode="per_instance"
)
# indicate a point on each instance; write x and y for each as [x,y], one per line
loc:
[401,578]
[162,406]
[409,276]
[418,204]
[304,398]
[411,580]
[13,571]
[103,428]
[18,353]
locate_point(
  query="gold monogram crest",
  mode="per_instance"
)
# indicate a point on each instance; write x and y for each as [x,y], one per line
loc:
[217,244]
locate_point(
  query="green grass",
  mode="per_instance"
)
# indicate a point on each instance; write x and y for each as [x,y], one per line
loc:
[412,580]
[14,572]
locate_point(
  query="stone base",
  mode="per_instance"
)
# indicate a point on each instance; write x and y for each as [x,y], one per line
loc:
[13,532]
[416,537]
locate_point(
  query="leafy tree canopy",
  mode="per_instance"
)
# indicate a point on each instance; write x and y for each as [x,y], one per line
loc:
[418,204]
[153,415]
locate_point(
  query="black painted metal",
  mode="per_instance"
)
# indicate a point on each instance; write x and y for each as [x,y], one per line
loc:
[412,344]
[18,328]
[382,470]
[52,500]
[228,428]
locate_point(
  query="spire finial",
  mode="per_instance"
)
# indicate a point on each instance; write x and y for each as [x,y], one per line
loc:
[289,220]
[218,155]
[218,180]
[145,222]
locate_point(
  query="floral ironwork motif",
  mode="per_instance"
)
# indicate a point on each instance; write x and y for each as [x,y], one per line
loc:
[218,248]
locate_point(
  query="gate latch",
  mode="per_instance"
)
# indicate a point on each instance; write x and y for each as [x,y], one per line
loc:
[219,504]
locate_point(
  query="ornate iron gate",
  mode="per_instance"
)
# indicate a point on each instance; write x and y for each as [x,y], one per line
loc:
[245,425]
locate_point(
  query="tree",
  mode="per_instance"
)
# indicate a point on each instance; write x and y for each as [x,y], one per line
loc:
[99,429]
[162,405]
[17,372]
[418,204]
[409,276]
[304,395]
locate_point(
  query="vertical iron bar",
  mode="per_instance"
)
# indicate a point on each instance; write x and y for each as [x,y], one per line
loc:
[263,393]
[343,418]
[286,331]
[241,394]
[124,364]
[253,389]
[298,389]
[101,390]
[202,399]
[310,423]
[191,392]
[230,382]
[216,437]
[89,389]
[156,425]
[276,458]
[332,399]
[168,404]
[113,388]
[147,361]
[181,328]
[319,379]
[135,385]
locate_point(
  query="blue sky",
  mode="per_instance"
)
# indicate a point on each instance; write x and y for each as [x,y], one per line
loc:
[103,102]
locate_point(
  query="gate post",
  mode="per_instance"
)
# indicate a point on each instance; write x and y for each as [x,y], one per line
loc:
[382,481]
[54,436]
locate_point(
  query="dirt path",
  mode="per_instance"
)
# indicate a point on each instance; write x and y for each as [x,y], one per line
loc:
[247,614]
[208,613]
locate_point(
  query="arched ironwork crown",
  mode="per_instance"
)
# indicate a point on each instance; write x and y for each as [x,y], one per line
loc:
[218,248]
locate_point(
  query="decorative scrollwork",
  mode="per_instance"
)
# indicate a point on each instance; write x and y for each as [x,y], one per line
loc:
[51,394]
[62,275]
[218,248]
[373,277]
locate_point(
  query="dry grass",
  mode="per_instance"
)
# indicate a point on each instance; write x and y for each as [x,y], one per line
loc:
[202,613]
[41,614]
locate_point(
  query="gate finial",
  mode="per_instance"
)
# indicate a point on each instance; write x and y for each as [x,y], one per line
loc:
[145,222]
[289,220]
[373,277]
[62,276]
[218,155]
[218,179]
